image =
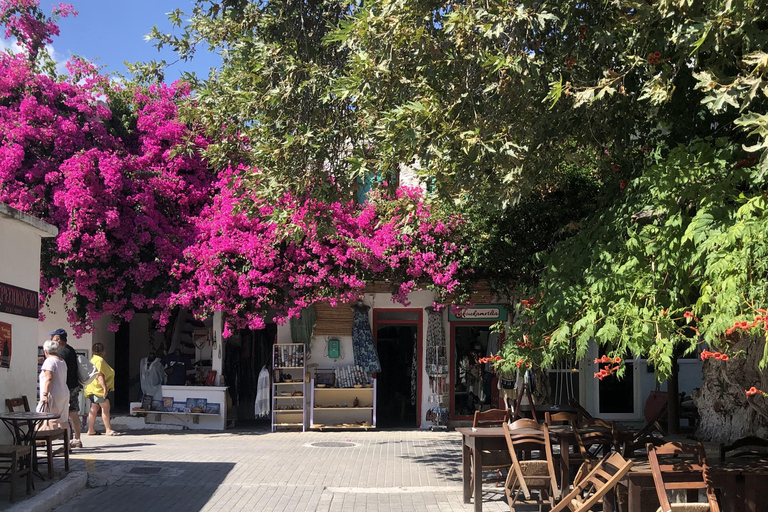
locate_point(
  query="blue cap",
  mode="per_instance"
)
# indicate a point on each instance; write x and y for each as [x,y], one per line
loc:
[60,332]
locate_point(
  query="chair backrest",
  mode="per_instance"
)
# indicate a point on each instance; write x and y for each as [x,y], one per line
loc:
[593,488]
[17,403]
[491,417]
[594,432]
[560,418]
[629,448]
[582,412]
[677,466]
[745,446]
[526,435]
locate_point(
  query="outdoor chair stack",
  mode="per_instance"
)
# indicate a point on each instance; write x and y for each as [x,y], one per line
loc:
[592,489]
[681,467]
[493,460]
[525,476]
[53,442]
[594,438]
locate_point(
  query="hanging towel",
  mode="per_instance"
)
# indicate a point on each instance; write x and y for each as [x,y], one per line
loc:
[362,344]
[493,348]
[302,327]
[262,394]
[436,360]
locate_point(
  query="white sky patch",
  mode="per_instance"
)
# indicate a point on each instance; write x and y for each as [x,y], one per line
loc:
[10,44]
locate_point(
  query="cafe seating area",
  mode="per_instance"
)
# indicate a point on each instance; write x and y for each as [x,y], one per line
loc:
[562,460]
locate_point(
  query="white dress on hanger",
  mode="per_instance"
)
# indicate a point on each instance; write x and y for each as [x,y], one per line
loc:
[152,376]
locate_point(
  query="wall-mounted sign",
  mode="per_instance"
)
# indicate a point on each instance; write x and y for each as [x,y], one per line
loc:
[479,313]
[5,345]
[18,301]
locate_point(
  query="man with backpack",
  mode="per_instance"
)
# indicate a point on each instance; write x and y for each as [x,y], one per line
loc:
[69,356]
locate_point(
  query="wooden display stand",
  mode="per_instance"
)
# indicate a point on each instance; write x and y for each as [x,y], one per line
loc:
[333,408]
[289,404]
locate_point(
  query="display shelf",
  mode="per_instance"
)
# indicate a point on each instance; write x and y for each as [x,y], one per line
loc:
[328,413]
[289,362]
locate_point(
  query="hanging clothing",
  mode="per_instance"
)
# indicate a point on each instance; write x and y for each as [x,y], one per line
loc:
[363,348]
[302,327]
[262,407]
[493,348]
[436,354]
[151,376]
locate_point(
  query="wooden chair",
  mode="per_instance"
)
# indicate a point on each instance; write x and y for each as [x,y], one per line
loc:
[593,487]
[493,460]
[45,439]
[560,418]
[681,467]
[530,475]
[749,446]
[580,410]
[594,438]
[631,448]
[15,461]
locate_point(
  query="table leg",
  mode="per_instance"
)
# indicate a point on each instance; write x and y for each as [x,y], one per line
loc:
[565,466]
[466,472]
[477,459]
[633,496]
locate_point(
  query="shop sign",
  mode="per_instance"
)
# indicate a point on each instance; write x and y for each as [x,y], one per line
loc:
[480,313]
[18,301]
[5,345]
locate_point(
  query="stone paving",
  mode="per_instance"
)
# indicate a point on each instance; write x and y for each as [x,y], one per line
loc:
[255,470]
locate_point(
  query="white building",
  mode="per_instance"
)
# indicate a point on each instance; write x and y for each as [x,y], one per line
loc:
[20,240]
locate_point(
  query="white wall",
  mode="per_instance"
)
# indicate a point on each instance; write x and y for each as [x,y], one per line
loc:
[20,237]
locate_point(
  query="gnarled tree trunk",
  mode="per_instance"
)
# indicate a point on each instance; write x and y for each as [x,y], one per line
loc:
[726,412]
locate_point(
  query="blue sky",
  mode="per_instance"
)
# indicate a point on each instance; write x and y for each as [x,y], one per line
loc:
[112,31]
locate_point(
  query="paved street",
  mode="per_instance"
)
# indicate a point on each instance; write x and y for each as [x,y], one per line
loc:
[254,470]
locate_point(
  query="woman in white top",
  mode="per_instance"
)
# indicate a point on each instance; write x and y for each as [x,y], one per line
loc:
[53,385]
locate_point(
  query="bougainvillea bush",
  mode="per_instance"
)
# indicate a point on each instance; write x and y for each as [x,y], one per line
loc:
[247,264]
[146,224]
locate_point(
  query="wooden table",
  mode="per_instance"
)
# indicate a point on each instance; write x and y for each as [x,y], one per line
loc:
[742,482]
[475,440]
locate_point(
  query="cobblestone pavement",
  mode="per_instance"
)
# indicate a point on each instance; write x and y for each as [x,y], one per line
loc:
[237,470]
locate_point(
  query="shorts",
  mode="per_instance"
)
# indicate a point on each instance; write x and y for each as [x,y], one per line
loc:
[74,399]
[97,399]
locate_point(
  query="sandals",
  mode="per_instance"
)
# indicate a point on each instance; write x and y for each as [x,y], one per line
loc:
[114,433]
[93,433]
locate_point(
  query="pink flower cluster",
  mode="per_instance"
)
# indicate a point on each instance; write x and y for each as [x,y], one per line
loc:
[248,265]
[123,203]
[146,225]
[24,20]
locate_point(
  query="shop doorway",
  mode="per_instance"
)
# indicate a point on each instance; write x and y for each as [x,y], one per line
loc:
[398,342]
[122,368]
[245,353]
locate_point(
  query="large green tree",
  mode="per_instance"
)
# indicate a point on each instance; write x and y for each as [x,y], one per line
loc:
[613,153]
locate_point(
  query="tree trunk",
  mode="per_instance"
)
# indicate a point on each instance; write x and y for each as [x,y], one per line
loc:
[726,412]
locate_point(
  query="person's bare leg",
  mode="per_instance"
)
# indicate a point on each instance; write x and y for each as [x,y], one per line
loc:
[92,419]
[74,418]
[105,407]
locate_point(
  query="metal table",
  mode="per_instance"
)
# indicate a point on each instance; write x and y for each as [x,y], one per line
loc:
[23,426]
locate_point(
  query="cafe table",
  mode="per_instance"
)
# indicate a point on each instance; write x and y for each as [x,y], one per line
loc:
[741,484]
[23,426]
[475,440]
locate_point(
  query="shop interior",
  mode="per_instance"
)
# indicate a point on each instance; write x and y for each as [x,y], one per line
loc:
[396,395]
[474,385]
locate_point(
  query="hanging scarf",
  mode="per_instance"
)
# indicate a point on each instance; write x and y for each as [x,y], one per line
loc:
[363,348]
[436,353]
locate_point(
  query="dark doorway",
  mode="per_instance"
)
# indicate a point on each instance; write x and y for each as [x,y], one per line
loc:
[245,354]
[122,367]
[396,396]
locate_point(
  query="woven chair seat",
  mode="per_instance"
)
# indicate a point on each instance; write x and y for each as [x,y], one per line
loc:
[534,468]
[688,507]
